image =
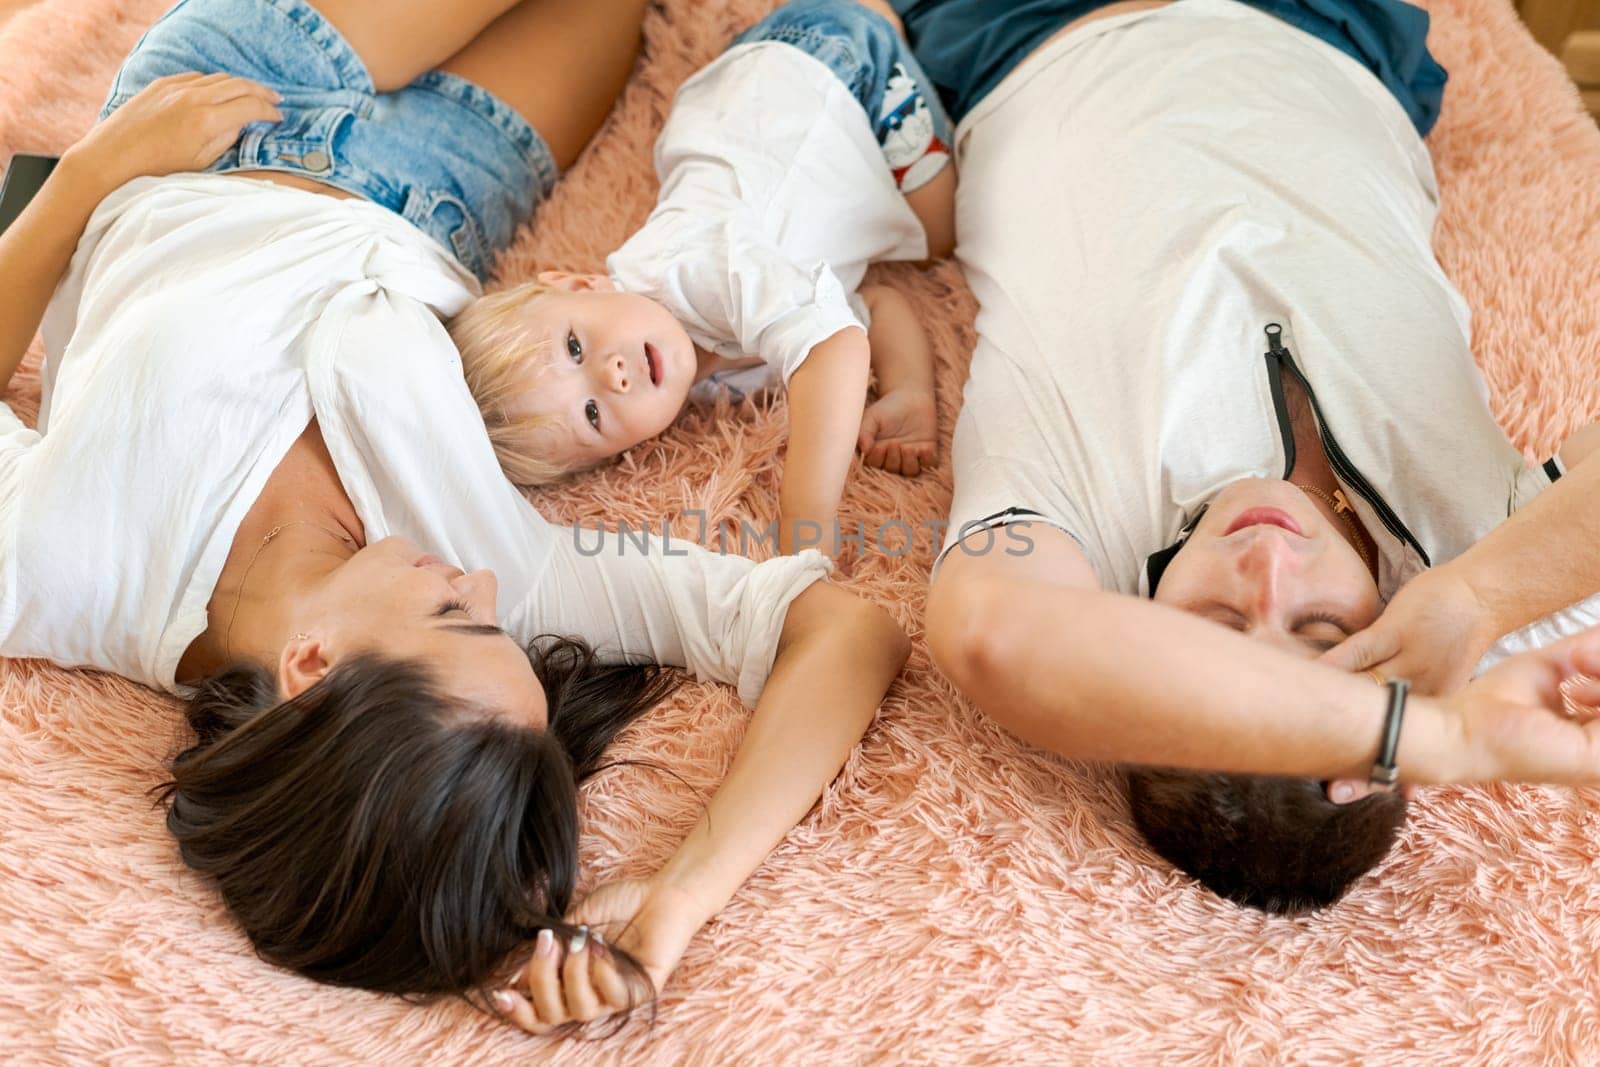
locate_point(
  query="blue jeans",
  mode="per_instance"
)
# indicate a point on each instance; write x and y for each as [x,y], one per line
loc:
[863,49]
[446,155]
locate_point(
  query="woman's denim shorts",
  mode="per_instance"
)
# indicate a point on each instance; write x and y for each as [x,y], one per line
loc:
[446,155]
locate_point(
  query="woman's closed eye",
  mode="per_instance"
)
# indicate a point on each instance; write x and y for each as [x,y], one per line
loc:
[453,605]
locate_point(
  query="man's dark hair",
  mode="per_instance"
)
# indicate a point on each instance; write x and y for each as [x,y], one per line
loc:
[375,832]
[1278,844]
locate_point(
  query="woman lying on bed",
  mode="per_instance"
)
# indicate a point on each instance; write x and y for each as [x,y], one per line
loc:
[259,480]
[1218,367]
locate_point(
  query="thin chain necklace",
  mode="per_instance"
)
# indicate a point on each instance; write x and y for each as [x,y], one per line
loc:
[1341,507]
[238,597]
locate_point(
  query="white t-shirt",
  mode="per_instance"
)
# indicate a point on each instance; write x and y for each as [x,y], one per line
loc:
[775,196]
[203,322]
[1137,203]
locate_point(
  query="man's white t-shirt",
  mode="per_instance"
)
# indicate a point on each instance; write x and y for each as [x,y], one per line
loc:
[1138,201]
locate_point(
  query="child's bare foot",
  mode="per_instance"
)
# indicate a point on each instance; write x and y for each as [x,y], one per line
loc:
[899,432]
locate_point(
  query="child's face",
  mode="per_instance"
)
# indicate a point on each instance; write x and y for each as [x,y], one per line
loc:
[618,369]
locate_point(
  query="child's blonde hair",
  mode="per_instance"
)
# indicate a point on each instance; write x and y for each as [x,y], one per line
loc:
[500,366]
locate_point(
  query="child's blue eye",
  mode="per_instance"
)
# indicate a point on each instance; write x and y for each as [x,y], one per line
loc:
[591,411]
[574,349]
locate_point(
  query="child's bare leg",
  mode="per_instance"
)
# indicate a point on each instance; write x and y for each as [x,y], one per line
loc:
[935,205]
[561,63]
[399,40]
[899,431]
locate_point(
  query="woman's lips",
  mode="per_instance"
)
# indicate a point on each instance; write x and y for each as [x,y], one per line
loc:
[1265,517]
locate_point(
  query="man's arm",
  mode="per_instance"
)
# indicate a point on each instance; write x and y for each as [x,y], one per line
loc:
[1581,445]
[1103,676]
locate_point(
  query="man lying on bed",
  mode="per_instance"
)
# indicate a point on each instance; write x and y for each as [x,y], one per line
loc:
[1223,409]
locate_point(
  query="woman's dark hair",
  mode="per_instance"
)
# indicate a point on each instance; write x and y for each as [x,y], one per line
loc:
[1278,844]
[375,832]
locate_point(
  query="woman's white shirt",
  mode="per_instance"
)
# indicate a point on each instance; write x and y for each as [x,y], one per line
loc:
[203,323]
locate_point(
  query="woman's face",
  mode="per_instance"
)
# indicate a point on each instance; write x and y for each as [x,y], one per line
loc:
[394,599]
[1267,561]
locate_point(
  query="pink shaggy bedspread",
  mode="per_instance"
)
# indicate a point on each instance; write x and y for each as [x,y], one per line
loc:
[956,896]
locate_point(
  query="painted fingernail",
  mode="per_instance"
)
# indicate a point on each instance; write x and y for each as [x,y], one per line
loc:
[545,944]
[1342,793]
[599,938]
[579,940]
[503,1001]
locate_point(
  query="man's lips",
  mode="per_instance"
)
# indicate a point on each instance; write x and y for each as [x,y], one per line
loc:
[653,363]
[1265,517]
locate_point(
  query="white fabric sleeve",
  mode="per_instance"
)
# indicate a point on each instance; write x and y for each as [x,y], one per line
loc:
[641,595]
[733,290]
[16,444]
[1570,621]
[16,440]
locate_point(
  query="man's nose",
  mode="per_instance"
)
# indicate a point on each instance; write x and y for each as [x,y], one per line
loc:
[1268,564]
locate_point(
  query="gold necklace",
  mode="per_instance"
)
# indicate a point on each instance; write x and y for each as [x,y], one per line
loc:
[1341,507]
[238,597]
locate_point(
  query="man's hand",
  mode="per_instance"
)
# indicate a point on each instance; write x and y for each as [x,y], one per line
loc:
[1533,718]
[1433,633]
[179,123]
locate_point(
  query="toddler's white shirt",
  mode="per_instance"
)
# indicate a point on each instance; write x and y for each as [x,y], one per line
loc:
[775,196]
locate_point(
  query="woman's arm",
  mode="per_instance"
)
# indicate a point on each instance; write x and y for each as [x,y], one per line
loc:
[34,254]
[1538,561]
[836,658]
[178,123]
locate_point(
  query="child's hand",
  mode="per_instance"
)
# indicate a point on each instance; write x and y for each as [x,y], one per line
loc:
[179,123]
[899,432]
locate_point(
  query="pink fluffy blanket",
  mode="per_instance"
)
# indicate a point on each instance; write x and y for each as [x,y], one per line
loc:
[956,896]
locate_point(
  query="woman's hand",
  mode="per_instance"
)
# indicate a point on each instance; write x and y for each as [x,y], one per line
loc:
[649,919]
[179,123]
[1535,717]
[1433,633]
